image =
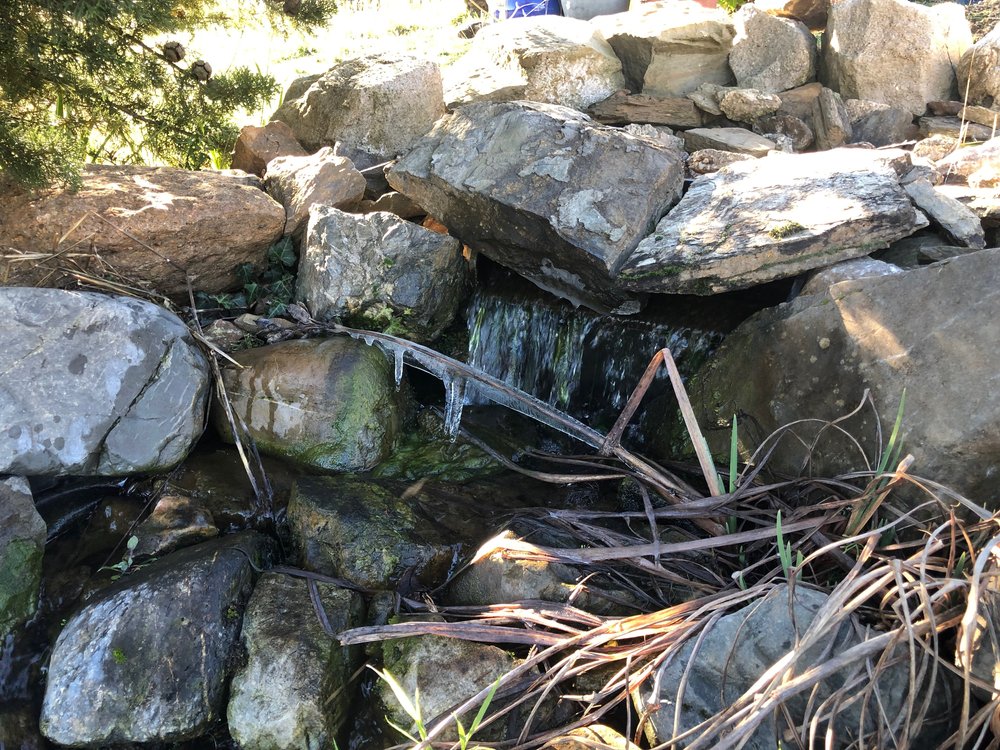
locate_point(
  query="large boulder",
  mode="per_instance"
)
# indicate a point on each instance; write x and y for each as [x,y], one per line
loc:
[96,385]
[549,59]
[815,357]
[711,671]
[770,53]
[377,271]
[148,658]
[292,692]
[543,190]
[809,210]
[22,543]
[979,71]
[893,51]
[670,48]
[325,403]
[300,182]
[154,227]
[379,105]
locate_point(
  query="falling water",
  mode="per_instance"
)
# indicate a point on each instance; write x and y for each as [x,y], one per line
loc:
[579,361]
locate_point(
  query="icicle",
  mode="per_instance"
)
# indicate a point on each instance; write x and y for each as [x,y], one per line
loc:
[397,355]
[370,340]
[454,401]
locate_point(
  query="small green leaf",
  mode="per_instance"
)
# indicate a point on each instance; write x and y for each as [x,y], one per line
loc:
[132,543]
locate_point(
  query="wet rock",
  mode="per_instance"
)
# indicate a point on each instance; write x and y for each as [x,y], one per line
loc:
[718,667]
[792,127]
[370,532]
[979,71]
[708,160]
[148,658]
[528,185]
[856,268]
[19,727]
[325,403]
[549,59]
[958,223]
[747,105]
[380,105]
[499,574]
[777,367]
[256,146]
[737,140]
[446,672]
[830,122]
[176,521]
[669,49]
[770,53]
[151,224]
[891,51]
[300,182]
[293,691]
[810,210]
[379,272]
[96,385]
[22,543]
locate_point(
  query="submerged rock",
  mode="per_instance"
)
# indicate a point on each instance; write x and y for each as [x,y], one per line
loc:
[379,272]
[176,521]
[293,692]
[22,543]
[815,357]
[325,403]
[809,210]
[545,191]
[96,385]
[148,658]
[157,227]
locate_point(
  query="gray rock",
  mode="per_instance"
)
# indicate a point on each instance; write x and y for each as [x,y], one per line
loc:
[549,59]
[813,358]
[706,97]
[293,692]
[22,543]
[708,160]
[892,51]
[544,191]
[737,140]
[445,672]
[380,105]
[983,202]
[883,127]
[148,659]
[370,532]
[792,127]
[377,271]
[158,227]
[718,667]
[954,127]
[959,224]
[809,210]
[831,123]
[747,105]
[979,71]
[96,385]
[325,403]
[300,182]
[669,50]
[771,53]
[856,268]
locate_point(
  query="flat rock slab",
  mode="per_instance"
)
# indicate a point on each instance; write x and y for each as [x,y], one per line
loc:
[148,659]
[737,140]
[149,224]
[958,222]
[96,385]
[545,191]
[806,211]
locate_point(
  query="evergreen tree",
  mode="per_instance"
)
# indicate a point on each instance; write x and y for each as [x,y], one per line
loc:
[80,79]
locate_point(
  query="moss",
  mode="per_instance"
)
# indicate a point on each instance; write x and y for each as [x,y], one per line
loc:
[787,229]
[20,575]
[119,656]
[667,271]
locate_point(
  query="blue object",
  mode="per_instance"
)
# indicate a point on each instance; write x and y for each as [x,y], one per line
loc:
[523,8]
